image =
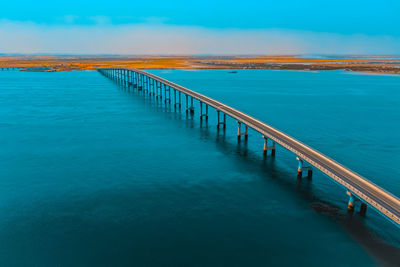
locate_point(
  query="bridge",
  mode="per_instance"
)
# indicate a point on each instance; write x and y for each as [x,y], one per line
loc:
[357,187]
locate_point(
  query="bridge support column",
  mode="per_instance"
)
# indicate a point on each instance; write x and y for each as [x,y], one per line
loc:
[245,133]
[146,84]
[205,115]
[134,80]
[363,209]
[177,103]
[191,108]
[167,99]
[139,82]
[266,147]
[152,90]
[179,100]
[350,205]
[219,122]
[302,168]
[158,90]
[128,76]
[131,79]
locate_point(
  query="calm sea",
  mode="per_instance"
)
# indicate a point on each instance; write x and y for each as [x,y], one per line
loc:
[95,174]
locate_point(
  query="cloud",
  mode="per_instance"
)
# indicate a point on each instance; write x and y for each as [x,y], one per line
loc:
[100,20]
[69,19]
[150,38]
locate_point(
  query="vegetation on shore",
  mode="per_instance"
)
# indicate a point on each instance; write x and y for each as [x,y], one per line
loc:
[68,63]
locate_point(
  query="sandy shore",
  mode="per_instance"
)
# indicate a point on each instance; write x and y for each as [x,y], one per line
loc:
[382,64]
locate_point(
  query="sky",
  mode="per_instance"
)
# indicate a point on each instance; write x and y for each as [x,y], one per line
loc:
[200,27]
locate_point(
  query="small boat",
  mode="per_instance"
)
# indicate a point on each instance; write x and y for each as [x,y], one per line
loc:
[234,71]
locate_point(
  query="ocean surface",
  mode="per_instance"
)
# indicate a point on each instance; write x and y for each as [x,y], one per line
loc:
[95,174]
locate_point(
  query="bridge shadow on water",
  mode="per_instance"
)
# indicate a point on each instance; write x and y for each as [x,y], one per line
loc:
[266,168]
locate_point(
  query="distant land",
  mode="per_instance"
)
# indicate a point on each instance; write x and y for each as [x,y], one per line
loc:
[371,64]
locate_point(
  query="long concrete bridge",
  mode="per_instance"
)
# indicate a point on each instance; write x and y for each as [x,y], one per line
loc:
[358,188]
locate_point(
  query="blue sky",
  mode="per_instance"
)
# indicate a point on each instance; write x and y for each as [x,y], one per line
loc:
[367,26]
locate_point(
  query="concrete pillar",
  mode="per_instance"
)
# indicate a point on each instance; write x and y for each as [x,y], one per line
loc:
[273,149]
[265,145]
[187,108]
[238,134]
[309,174]
[244,133]
[363,209]
[159,90]
[177,103]
[167,89]
[191,106]
[300,168]
[201,111]
[219,122]
[350,205]
[224,121]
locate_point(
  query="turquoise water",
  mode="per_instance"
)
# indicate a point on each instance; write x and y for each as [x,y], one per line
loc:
[94,174]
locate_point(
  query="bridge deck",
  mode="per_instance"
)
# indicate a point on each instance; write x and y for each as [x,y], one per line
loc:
[384,202]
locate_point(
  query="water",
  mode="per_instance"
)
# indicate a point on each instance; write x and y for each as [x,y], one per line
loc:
[93,174]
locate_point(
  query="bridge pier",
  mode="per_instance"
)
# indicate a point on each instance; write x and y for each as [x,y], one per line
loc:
[135,81]
[350,204]
[127,79]
[140,82]
[219,122]
[152,87]
[266,147]
[158,90]
[191,108]
[240,133]
[167,89]
[363,209]
[301,168]
[201,112]
[177,103]
[128,73]
[146,84]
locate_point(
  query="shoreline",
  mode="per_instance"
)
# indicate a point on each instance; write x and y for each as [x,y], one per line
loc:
[70,63]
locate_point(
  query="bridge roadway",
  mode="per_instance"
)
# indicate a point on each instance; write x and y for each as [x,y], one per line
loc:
[363,189]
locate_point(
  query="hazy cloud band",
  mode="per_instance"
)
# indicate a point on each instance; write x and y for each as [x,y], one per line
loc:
[140,39]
